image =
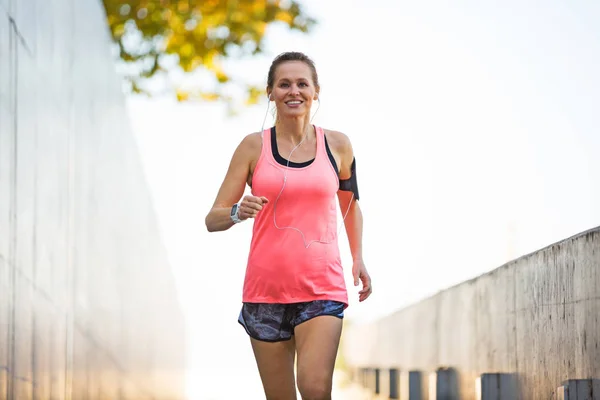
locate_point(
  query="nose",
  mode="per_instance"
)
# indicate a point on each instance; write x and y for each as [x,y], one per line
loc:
[294,90]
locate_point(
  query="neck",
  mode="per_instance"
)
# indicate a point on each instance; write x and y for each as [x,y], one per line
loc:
[294,129]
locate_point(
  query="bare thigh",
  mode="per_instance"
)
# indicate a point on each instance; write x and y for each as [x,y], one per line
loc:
[276,368]
[317,342]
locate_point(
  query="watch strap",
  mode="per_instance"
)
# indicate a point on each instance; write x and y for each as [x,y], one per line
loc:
[235,213]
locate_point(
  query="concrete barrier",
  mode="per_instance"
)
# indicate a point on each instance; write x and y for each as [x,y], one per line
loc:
[579,389]
[535,318]
[496,387]
[88,307]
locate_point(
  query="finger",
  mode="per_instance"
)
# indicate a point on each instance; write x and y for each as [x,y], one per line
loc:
[252,206]
[257,199]
[245,212]
[251,199]
[366,287]
[364,297]
[251,212]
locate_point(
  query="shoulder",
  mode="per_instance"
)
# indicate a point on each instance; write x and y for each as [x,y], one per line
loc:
[248,149]
[339,142]
[252,140]
[250,143]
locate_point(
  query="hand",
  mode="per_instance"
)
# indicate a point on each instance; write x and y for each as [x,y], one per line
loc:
[250,206]
[359,272]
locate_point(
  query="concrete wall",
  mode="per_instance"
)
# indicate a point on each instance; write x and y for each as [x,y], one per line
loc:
[536,318]
[88,307]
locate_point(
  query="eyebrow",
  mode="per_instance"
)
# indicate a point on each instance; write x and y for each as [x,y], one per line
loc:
[287,79]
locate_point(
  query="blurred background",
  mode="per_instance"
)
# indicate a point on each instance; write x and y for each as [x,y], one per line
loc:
[475,126]
[476,132]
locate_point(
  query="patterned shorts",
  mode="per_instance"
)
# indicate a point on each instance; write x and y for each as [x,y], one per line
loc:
[276,322]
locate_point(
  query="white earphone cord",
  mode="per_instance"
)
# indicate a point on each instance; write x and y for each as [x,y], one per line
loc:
[306,245]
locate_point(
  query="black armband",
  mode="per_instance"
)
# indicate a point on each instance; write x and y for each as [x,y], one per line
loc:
[351,184]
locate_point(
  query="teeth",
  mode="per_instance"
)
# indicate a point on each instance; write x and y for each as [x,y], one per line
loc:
[294,102]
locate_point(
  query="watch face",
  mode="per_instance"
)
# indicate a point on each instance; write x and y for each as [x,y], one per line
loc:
[234,210]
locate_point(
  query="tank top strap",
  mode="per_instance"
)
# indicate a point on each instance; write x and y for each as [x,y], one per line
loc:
[266,144]
[266,137]
[321,150]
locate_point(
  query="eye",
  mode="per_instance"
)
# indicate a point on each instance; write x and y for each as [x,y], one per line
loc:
[303,84]
[284,84]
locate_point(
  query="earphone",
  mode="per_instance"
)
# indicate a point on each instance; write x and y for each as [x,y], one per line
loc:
[306,245]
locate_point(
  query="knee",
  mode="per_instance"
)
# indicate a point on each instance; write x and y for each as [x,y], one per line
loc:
[315,389]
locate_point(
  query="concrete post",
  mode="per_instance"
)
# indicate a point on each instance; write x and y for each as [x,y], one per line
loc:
[413,386]
[394,384]
[579,389]
[496,386]
[443,384]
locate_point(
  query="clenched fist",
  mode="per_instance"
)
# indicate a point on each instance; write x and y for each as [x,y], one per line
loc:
[250,206]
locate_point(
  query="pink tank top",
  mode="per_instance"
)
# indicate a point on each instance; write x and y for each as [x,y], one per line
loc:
[281,269]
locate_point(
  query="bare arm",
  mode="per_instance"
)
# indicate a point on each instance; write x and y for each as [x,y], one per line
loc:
[354,219]
[353,223]
[232,188]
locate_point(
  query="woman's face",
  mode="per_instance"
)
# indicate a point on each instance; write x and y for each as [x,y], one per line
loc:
[293,90]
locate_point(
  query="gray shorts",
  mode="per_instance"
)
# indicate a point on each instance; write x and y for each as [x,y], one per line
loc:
[273,322]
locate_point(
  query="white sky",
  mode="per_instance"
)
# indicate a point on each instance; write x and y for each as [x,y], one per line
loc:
[476,131]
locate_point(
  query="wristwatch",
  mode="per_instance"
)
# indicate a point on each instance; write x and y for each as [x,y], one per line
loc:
[234,214]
